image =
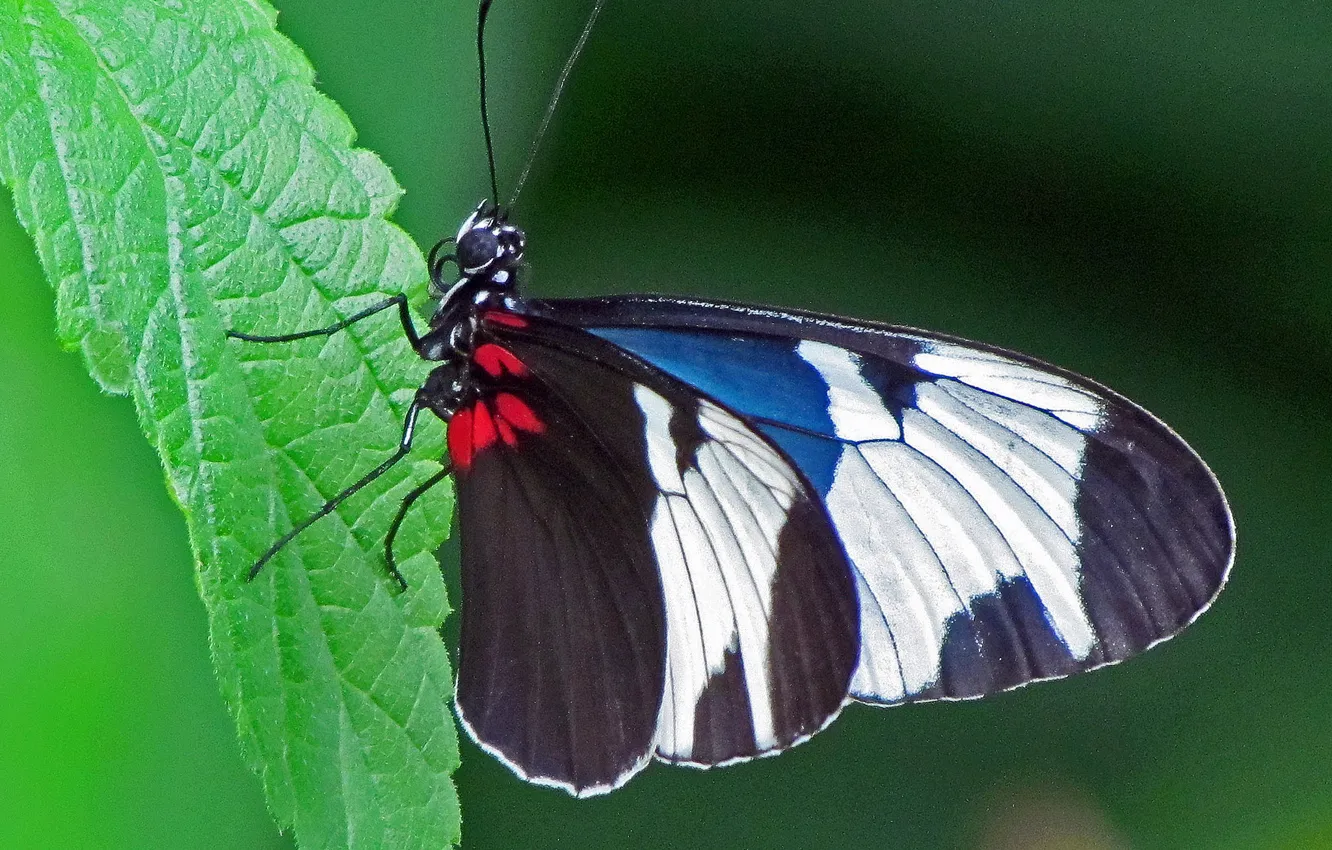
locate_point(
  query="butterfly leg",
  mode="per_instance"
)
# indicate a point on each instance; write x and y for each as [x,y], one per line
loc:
[399,301]
[416,493]
[404,446]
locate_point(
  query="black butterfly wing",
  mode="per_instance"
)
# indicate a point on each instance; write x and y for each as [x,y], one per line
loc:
[561,655]
[642,572]
[1007,521]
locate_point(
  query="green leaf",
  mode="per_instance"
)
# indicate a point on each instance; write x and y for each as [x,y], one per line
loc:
[180,176]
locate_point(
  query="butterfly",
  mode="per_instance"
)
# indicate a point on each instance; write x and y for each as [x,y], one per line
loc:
[694,531]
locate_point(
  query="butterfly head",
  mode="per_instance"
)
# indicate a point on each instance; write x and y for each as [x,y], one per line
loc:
[489,249]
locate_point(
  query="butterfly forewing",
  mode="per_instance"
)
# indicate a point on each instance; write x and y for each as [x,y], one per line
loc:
[643,572]
[1006,521]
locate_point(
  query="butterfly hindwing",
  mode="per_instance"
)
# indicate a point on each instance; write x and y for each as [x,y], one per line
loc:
[1007,521]
[563,634]
[643,561]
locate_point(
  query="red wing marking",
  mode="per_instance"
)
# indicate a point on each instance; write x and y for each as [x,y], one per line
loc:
[502,318]
[496,360]
[516,411]
[506,432]
[484,433]
[476,428]
[460,439]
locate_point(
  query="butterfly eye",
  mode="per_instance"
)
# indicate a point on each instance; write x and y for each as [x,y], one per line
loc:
[477,249]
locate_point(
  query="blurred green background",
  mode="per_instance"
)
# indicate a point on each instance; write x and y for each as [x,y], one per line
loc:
[1138,191]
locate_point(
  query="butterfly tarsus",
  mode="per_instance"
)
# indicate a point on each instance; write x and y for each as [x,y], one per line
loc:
[399,301]
[404,446]
[417,492]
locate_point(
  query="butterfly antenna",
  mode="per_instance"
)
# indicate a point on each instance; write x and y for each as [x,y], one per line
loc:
[555,98]
[485,114]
